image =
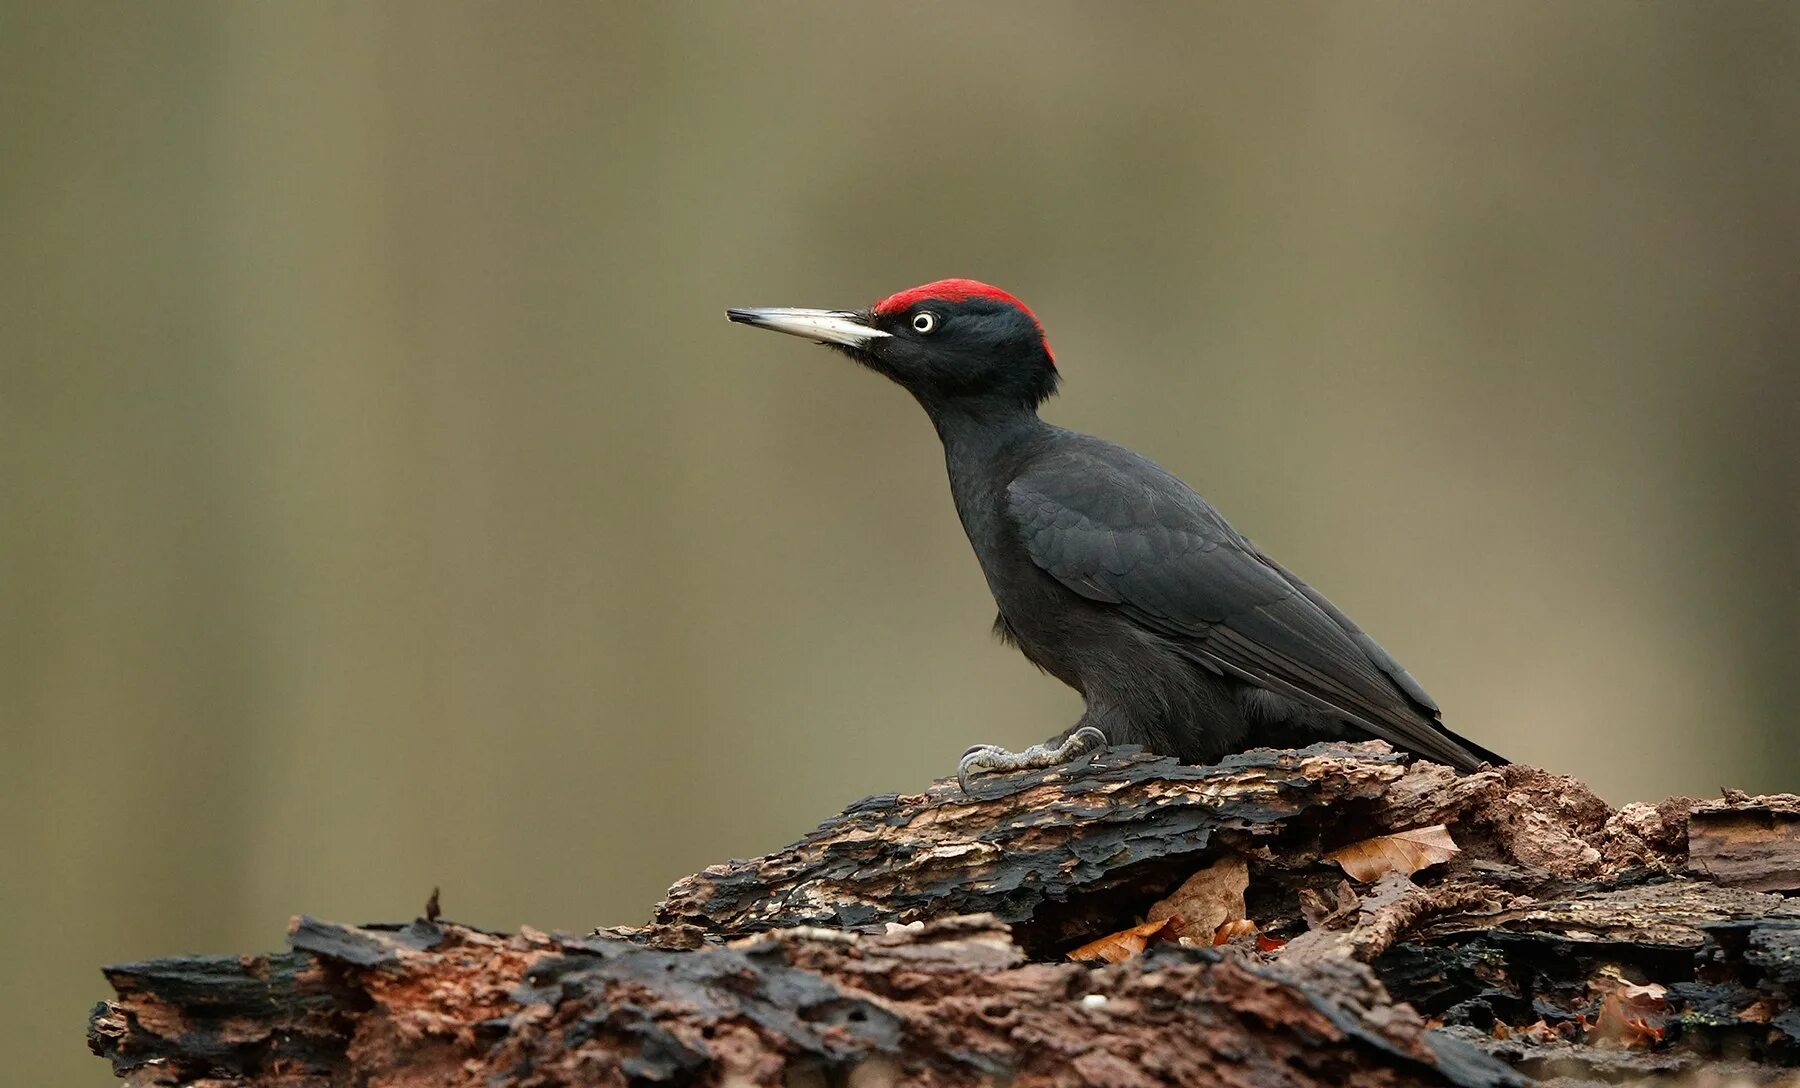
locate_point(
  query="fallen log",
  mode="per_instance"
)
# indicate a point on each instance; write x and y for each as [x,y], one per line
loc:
[1333,915]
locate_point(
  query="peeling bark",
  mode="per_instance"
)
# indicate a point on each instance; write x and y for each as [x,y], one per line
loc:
[922,939]
[1747,842]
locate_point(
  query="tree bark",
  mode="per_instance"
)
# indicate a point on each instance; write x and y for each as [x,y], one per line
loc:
[1539,935]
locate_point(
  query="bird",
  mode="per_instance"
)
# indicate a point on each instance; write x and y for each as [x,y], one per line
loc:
[1112,575]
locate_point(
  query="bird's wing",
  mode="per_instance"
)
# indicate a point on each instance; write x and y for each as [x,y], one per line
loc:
[1382,659]
[1117,529]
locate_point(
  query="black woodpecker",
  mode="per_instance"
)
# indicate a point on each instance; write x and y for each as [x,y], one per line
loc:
[1112,575]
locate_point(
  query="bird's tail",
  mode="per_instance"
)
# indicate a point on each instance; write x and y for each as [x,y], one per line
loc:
[1482,755]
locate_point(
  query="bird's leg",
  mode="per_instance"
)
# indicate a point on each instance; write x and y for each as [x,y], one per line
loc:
[992,757]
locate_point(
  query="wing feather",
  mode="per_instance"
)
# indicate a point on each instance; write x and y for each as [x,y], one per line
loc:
[1119,530]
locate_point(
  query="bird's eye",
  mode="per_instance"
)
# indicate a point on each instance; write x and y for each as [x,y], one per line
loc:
[924,321]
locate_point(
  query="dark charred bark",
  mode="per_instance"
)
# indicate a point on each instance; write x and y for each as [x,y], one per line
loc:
[924,939]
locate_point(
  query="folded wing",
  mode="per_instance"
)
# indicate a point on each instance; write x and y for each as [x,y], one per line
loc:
[1119,530]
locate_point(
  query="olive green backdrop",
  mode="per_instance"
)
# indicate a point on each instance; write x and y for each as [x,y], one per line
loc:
[388,504]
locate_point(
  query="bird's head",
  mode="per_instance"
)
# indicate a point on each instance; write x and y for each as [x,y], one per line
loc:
[950,343]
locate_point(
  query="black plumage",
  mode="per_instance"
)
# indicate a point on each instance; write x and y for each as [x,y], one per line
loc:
[1109,572]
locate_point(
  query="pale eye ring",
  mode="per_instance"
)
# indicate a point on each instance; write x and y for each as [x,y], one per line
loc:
[924,322]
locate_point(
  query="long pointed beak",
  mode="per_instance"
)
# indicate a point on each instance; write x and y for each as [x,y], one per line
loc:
[845,328]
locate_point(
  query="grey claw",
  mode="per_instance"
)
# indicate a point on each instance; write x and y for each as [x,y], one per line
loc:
[1088,733]
[976,758]
[992,757]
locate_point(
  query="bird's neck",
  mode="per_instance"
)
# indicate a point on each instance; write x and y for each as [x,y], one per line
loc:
[981,432]
[983,447]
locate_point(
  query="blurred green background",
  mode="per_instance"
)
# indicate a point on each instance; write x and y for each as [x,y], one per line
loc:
[388,504]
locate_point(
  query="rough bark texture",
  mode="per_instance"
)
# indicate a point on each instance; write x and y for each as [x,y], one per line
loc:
[923,940]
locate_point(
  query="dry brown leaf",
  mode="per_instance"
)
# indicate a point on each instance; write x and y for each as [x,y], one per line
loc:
[1404,852]
[1609,1026]
[1631,1013]
[1542,1032]
[1321,913]
[1651,996]
[1650,993]
[1644,1029]
[1206,900]
[1123,945]
[1232,930]
[1625,1024]
[1266,943]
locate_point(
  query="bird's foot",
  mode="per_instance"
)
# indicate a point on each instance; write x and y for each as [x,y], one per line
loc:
[992,757]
